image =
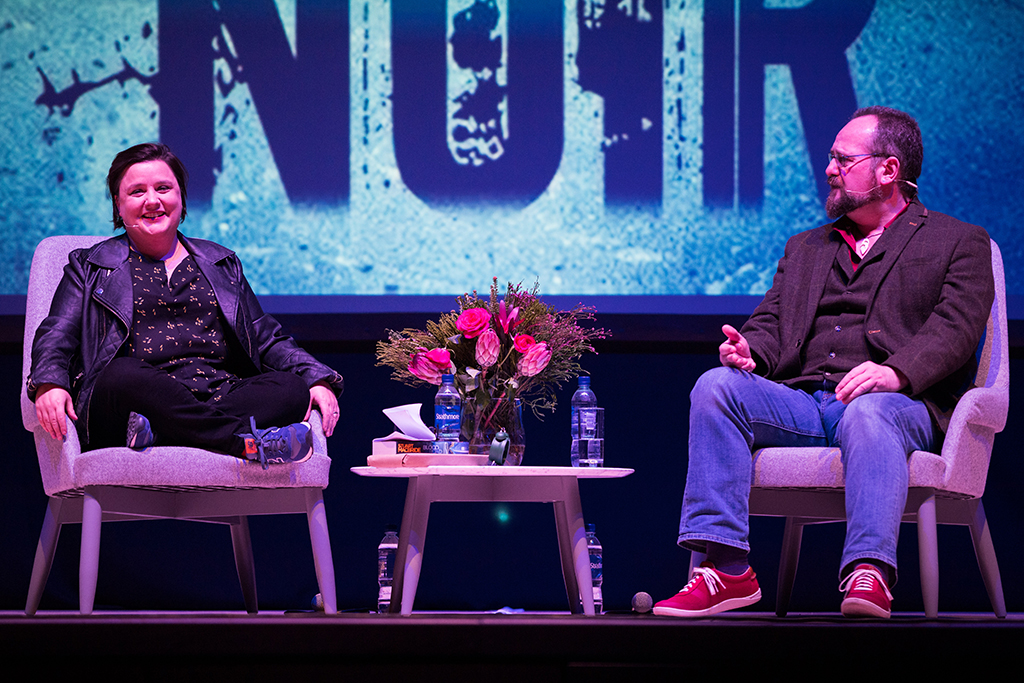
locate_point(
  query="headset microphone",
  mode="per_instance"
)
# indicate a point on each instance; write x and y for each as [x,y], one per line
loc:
[865,192]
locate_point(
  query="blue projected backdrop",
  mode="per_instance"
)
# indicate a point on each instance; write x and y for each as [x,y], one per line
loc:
[633,147]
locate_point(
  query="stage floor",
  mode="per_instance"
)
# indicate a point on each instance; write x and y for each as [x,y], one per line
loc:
[528,648]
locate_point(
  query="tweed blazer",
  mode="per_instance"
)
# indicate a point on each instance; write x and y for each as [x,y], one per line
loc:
[926,314]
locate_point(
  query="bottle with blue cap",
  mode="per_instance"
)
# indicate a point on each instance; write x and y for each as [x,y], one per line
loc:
[386,552]
[447,413]
[584,451]
[596,552]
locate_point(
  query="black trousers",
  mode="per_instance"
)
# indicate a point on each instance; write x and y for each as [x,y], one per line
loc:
[178,418]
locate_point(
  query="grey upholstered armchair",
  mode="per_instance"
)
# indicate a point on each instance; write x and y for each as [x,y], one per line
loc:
[120,484]
[805,485]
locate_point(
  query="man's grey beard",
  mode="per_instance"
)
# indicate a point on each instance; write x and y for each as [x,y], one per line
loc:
[840,202]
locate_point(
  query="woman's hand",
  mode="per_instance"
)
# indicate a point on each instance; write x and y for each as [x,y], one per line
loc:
[53,406]
[322,396]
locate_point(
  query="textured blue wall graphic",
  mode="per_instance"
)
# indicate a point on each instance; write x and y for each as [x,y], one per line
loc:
[637,147]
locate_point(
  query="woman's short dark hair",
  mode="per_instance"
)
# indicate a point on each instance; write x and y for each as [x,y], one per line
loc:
[898,135]
[148,151]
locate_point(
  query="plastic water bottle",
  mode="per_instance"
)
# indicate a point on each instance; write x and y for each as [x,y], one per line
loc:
[386,552]
[596,567]
[583,398]
[447,412]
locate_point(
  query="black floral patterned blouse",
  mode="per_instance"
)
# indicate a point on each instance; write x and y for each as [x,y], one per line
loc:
[178,327]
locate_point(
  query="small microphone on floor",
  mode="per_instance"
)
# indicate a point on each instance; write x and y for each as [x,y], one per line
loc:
[642,602]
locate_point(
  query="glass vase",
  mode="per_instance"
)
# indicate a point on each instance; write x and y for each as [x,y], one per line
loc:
[482,419]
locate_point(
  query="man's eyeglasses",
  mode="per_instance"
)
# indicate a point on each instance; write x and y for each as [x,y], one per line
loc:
[845,160]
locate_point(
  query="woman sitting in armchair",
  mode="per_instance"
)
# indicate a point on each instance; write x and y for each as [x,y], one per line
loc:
[156,338]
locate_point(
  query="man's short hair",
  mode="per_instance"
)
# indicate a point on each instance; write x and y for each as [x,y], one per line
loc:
[898,135]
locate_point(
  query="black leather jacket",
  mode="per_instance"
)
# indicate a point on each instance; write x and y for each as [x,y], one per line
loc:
[90,319]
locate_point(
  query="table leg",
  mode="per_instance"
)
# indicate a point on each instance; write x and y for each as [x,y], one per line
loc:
[572,547]
[411,538]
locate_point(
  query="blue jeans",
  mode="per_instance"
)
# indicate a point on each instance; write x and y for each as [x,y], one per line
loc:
[733,412]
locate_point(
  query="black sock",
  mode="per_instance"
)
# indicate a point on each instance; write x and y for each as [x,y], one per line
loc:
[728,559]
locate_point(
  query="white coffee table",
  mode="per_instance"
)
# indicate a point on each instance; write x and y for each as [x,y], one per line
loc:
[450,483]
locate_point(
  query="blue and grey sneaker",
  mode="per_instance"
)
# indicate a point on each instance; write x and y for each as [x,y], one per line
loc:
[278,445]
[140,434]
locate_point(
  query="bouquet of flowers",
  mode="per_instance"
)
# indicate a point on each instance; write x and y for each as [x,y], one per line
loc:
[500,349]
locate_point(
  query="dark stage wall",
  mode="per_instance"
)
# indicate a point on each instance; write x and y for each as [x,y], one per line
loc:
[473,561]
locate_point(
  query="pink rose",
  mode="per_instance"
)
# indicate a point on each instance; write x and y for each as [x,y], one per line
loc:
[421,366]
[442,358]
[523,342]
[487,348]
[473,321]
[535,360]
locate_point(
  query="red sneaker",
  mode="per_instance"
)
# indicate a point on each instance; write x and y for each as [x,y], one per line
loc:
[710,592]
[867,595]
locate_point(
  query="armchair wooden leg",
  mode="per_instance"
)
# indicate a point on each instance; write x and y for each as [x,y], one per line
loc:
[928,552]
[696,559]
[791,539]
[45,549]
[986,554]
[241,542]
[89,561]
[316,515]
